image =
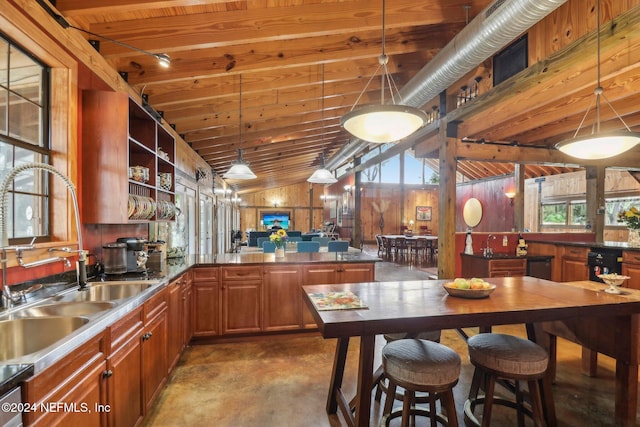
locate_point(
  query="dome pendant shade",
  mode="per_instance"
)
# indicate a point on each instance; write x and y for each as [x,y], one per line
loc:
[600,146]
[383,123]
[322,176]
[239,170]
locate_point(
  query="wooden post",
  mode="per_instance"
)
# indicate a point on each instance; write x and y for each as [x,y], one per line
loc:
[447,205]
[595,200]
[518,201]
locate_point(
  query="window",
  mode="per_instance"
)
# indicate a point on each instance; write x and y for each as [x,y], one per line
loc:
[615,205]
[24,139]
[578,213]
[554,214]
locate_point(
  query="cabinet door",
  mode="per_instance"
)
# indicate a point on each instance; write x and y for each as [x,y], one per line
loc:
[206,309]
[573,269]
[154,358]
[77,381]
[282,300]
[316,274]
[356,272]
[241,306]
[633,271]
[187,312]
[125,384]
[175,324]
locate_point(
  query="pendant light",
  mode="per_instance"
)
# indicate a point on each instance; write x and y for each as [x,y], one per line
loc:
[239,168]
[385,122]
[599,145]
[322,175]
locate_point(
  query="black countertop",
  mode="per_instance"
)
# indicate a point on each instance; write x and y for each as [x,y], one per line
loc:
[12,375]
[606,245]
[504,255]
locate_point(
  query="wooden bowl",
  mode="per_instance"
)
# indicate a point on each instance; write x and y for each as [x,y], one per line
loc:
[468,293]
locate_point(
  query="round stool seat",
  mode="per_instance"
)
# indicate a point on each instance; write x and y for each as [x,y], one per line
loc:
[507,354]
[420,362]
[426,335]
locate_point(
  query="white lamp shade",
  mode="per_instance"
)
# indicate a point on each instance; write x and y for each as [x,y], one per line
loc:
[239,171]
[322,176]
[383,123]
[599,146]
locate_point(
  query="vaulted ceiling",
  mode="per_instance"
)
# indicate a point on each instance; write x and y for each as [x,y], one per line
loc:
[284,72]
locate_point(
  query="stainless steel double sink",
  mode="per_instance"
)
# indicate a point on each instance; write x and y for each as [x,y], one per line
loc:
[30,329]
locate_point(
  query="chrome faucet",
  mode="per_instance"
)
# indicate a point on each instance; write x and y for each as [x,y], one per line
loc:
[4,239]
[488,251]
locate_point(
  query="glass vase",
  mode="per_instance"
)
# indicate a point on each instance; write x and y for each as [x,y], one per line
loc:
[280,252]
[634,238]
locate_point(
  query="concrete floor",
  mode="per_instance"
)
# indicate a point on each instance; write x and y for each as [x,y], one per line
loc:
[283,381]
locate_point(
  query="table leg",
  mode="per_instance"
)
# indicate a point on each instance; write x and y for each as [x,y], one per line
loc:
[365,380]
[536,334]
[626,330]
[338,373]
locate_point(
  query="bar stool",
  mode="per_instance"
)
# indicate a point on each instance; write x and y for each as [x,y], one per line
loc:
[505,357]
[380,379]
[421,366]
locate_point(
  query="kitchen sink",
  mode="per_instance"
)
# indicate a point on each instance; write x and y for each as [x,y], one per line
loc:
[107,291]
[80,308]
[20,337]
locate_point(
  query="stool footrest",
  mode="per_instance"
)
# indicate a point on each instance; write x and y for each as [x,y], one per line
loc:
[470,405]
[441,418]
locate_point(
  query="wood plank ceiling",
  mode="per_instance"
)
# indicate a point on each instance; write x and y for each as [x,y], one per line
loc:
[287,54]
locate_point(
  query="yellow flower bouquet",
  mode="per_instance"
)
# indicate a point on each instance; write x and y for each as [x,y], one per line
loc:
[631,218]
[279,238]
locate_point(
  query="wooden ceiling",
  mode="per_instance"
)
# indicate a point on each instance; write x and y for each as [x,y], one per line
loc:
[285,71]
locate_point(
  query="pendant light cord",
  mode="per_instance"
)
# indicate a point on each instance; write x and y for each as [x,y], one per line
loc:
[599,89]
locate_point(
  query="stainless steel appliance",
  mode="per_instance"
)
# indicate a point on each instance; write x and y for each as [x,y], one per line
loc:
[136,254]
[115,258]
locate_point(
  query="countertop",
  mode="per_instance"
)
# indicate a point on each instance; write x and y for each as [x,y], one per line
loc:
[504,255]
[14,371]
[606,245]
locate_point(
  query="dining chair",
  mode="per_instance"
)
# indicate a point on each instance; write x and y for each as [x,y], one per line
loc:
[323,241]
[338,246]
[401,249]
[259,241]
[294,239]
[268,247]
[380,245]
[308,247]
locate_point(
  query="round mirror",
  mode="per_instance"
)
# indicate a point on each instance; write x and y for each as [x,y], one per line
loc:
[472,212]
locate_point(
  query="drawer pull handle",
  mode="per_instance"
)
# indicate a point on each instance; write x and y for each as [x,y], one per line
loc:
[107,374]
[147,336]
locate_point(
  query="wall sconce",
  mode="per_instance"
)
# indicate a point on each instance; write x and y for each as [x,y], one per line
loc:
[348,188]
[510,195]
[276,203]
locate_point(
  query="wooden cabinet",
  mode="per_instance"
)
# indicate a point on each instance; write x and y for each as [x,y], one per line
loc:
[241,299]
[74,389]
[631,268]
[573,263]
[154,346]
[175,322]
[474,266]
[282,303]
[118,135]
[187,311]
[206,301]
[124,364]
[318,274]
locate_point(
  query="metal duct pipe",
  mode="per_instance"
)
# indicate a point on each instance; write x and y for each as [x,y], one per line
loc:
[494,28]
[499,24]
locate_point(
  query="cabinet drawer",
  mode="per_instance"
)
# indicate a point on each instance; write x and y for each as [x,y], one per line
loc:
[508,265]
[573,252]
[631,257]
[206,274]
[121,331]
[242,273]
[155,305]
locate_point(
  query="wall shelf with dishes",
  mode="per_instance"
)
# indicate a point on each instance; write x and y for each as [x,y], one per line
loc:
[128,162]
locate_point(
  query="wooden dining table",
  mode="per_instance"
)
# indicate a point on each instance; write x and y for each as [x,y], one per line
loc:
[414,306]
